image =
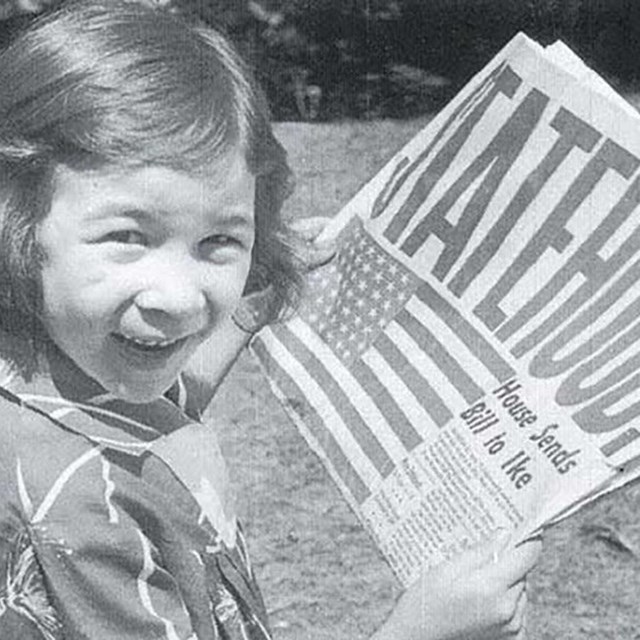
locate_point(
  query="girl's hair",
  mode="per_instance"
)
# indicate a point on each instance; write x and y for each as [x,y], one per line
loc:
[117,81]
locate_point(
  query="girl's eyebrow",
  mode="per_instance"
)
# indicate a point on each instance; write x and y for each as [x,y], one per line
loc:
[233,218]
[237,219]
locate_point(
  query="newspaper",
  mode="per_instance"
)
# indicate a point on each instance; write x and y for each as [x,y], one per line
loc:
[470,358]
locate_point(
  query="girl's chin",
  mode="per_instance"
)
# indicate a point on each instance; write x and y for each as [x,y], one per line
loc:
[141,389]
[142,378]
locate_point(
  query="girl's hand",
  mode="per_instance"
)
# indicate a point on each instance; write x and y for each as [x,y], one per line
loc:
[479,595]
[315,251]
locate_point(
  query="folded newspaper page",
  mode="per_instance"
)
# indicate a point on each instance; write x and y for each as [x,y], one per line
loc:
[470,359]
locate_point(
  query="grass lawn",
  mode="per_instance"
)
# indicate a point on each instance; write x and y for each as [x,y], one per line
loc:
[321,575]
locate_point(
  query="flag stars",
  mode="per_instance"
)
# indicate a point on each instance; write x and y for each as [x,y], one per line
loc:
[357,296]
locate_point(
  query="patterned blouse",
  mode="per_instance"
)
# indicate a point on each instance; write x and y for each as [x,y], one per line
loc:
[115,519]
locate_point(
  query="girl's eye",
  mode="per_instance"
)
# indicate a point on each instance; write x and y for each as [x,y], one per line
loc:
[126,236]
[220,242]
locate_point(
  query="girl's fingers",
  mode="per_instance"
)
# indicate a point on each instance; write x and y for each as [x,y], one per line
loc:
[516,600]
[487,551]
[518,590]
[314,253]
[480,554]
[515,563]
[522,635]
[310,228]
[520,631]
[521,613]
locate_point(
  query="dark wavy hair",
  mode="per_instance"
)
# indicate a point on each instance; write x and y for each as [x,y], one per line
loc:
[118,81]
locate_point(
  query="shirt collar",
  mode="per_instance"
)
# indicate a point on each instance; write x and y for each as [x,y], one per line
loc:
[70,397]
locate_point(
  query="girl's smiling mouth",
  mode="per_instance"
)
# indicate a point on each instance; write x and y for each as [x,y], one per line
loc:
[150,348]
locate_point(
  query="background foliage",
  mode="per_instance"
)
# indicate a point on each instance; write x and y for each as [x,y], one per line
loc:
[326,59]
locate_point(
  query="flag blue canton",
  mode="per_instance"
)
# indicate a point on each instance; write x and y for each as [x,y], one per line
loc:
[352,299]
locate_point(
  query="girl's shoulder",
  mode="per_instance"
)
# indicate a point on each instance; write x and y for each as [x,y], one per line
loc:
[34,451]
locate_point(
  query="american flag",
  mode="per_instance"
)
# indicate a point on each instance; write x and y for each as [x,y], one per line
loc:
[369,366]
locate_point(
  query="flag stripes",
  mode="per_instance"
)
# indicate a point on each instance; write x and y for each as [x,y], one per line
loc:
[326,380]
[454,390]
[472,338]
[367,406]
[371,365]
[314,422]
[453,371]
[387,404]
[418,385]
[411,406]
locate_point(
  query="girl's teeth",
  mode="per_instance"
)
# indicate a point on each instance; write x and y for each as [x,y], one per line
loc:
[150,343]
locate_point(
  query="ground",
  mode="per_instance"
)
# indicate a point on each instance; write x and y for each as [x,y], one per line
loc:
[322,576]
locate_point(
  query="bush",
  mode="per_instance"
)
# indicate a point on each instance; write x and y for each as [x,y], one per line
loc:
[328,59]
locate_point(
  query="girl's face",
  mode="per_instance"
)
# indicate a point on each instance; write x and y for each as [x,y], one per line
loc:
[142,265]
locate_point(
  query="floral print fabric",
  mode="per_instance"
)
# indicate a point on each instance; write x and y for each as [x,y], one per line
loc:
[116,520]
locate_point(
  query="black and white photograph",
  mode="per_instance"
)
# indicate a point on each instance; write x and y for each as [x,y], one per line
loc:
[319,320]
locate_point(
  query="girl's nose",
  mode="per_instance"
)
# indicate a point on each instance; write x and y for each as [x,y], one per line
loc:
[174,290]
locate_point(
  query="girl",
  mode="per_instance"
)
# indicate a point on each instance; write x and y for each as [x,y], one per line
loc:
[140,198]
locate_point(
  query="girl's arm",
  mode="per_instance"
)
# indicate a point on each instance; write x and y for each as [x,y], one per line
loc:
[212,361]
[479,595]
